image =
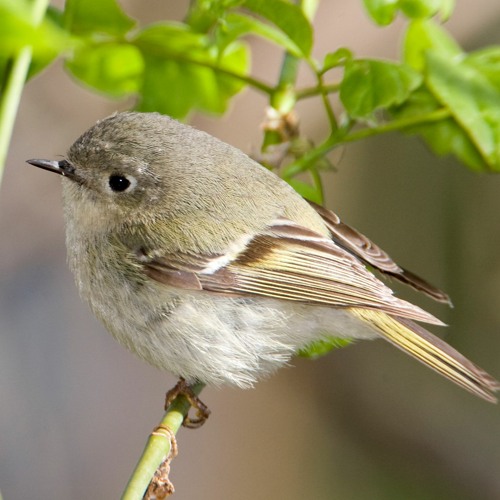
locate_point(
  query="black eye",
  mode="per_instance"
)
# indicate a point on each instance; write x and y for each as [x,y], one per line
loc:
[119,183]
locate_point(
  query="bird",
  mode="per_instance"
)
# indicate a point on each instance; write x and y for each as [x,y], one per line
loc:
[211,267]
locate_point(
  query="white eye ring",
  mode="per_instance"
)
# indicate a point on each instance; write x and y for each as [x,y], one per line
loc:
[119,183]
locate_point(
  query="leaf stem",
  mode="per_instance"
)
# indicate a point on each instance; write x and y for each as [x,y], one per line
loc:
[253,82]
[158,447]
[317,90]
[289,69]
[332,120]
[402,124]
[291,63]
[13,85]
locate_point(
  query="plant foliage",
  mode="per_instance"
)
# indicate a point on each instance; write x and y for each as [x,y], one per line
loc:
[447,96]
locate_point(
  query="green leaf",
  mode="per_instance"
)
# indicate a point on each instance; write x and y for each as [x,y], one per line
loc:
[473,101]
[288,17]
[46,40]
[183,72]
[322,347]
[237,25]
[487,62]
[446,10]
[17,31]
[311,193]
[113,68]
[204,14]
[424,36]
[170,87]
[417,9]
[83,17]
[169,39]
[340,57]
[382,12]
[422,9]
[236,58]
[369,85]
[444,137]
[55,15]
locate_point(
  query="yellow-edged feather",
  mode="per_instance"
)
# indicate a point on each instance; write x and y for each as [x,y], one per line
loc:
[431,351]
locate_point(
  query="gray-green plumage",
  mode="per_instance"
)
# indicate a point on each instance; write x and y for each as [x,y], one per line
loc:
[209,266]
[186,173]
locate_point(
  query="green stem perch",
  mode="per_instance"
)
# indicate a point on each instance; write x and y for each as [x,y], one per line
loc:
[158,447]
[13,86]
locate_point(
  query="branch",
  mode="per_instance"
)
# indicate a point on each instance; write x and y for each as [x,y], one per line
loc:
[402,124]
[337,139]
[306,92]
[158,446]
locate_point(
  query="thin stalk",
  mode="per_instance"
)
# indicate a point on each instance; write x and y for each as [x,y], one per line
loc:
[318,183]
[433,116]
[13,86]
[289,70]
[253,82]
[290,67]
[332,120]
[158,447]
[337,139]
[317,90]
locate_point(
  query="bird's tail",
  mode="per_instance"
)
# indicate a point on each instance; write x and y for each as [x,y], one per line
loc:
[432,351]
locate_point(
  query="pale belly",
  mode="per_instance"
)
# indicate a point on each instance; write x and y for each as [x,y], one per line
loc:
[218,339]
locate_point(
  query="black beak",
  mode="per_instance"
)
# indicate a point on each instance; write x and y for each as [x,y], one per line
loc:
[62,167]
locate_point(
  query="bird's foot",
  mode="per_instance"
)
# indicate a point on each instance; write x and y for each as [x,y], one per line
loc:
[182,388]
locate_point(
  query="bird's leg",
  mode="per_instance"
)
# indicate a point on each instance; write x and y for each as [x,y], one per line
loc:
[182,388]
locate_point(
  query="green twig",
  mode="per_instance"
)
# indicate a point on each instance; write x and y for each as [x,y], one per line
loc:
[13,86]
[283,97]
[290,66]
[317,90]
[253,82]
[402,124]
[317,183]
[289,70]
[337,139]
[158,447]
[11,96]
[332,120]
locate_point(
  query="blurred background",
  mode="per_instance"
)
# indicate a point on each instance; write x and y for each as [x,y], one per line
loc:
[365,422]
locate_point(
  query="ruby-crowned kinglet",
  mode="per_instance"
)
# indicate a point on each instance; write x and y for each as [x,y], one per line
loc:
[209,266]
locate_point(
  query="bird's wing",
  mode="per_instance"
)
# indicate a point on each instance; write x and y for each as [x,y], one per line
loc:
[361,246]
[289,262]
